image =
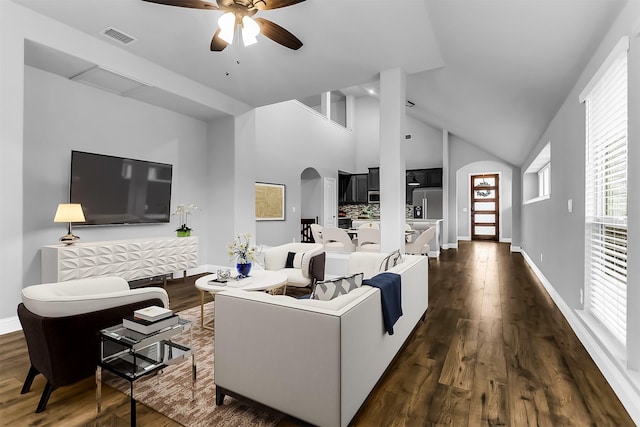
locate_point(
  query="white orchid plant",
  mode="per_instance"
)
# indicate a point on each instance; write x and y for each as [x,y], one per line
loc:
[182,212]
[241,250]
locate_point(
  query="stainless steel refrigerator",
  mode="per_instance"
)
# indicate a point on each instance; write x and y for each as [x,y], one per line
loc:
[428,201]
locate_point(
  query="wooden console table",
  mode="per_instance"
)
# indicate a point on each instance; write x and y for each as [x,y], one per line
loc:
[130,259]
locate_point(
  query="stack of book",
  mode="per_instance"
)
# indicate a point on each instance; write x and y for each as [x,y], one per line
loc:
[150,319]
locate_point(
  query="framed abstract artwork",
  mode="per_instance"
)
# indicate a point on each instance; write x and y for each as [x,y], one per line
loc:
[270,201]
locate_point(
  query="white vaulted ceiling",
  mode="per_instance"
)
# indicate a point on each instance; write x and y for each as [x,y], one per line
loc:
[493,72]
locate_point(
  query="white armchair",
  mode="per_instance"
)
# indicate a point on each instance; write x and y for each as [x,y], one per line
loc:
[421,245]
[368,239]
[337,240]
[306,267]
[408,233]
[316,232]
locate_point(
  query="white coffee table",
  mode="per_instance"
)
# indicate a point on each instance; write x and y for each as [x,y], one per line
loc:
[258,280]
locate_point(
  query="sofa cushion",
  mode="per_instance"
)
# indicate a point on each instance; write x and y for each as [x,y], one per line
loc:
[330,289]
[294,260]
[85,295]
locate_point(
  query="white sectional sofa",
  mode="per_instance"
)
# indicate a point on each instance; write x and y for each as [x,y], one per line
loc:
[315,360]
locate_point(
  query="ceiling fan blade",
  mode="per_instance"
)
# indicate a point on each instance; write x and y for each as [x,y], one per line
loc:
[278,34]
[217,44]
[193,4]
[274,4]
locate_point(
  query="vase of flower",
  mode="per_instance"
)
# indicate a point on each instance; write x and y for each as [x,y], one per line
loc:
[183,212]
[243,253]
[243,269]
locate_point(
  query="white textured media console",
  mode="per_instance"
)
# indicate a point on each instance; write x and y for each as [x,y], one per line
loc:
[130,259]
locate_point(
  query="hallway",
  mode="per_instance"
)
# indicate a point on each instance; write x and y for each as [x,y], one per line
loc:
[494,350]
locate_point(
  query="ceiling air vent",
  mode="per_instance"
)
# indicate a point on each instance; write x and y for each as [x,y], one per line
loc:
[118,35]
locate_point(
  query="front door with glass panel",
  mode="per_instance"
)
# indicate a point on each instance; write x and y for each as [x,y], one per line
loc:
[484,207]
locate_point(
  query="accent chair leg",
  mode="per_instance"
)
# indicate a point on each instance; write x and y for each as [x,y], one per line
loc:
[46,394]
[29,380]
[219,396]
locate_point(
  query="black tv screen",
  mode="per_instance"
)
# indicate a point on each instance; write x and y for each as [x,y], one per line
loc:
[117,190]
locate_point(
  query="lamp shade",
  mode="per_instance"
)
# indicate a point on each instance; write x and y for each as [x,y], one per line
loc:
[250,29]
[69,212]
[227,24]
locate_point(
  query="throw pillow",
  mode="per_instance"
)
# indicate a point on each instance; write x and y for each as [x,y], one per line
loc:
[294,260]
[391,260]
[330,289]
[289,262]
[395,259]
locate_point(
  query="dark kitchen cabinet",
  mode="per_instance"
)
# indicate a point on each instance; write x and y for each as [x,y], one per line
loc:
[361,187]
[343,187]
[434,177]
[374,179]
[352,188]
[425,178]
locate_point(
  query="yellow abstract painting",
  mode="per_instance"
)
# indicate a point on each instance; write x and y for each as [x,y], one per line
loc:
[269,202]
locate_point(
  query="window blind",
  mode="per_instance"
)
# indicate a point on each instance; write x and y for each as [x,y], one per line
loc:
[606,197]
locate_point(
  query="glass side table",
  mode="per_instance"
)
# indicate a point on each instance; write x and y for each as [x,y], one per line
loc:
[132,355]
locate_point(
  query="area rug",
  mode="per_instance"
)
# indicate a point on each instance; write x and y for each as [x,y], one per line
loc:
[170,392]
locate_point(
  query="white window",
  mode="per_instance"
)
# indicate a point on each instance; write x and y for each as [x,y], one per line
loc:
[606,193]
[332,105]
[536,180]
[544,180]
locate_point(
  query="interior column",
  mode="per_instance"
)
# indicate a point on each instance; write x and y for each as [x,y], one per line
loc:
[444,239]
[392,163]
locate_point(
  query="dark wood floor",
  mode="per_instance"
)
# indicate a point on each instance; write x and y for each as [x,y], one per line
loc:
[494,350]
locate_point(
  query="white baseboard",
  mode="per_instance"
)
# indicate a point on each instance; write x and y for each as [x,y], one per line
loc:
[10,324]
[450,246]
[620,381]
[505,240]
[516,248]
[465,238]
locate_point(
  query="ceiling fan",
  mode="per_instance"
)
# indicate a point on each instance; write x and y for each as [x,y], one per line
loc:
[239,13]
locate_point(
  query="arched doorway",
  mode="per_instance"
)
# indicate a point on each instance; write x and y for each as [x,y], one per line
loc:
[311,196]
[464,227]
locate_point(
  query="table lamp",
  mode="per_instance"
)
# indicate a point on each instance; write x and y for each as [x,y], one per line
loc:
[69,212]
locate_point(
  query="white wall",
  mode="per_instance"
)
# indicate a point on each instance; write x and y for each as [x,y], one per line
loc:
[61,115]
[463,199]
[563,258]
[548,229]
[285,149]
[423,150]
[466,158]
[220,184]
[16,25]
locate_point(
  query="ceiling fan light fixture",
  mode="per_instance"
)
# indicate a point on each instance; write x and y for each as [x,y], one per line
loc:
[250,29]
[227,24]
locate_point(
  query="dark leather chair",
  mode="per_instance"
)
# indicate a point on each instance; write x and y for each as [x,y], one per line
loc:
[61,322]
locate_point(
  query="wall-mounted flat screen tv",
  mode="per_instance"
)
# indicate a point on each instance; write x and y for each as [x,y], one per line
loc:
[118,190]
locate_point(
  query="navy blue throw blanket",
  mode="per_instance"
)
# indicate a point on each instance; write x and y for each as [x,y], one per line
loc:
[389,285]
